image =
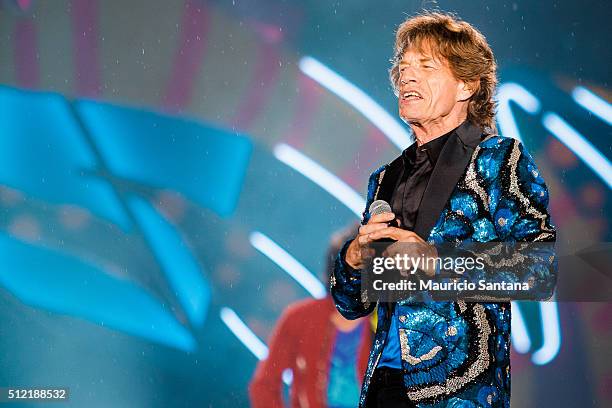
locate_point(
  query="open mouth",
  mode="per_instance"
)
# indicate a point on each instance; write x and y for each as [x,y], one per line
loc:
[411,96]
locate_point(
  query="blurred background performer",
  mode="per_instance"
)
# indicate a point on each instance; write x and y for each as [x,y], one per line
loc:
[326,352]
[459,182]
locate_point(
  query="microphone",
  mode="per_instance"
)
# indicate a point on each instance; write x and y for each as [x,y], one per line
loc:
[381,207]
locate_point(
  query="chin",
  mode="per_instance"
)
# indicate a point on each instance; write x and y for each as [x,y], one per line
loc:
[409,117]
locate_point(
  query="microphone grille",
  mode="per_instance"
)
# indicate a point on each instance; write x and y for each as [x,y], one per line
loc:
[379,207]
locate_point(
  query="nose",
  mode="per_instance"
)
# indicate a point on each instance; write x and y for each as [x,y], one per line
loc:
[408,75]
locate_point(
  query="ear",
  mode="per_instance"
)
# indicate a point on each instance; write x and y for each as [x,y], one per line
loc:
[465,90]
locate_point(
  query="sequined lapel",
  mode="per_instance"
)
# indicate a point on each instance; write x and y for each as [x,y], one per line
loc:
[390,178]
[392,173]
[450,167]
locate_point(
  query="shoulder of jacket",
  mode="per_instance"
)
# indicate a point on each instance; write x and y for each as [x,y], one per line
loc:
[497,142]
[379,171]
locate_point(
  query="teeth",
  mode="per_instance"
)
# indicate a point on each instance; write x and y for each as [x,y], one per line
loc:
[412,93]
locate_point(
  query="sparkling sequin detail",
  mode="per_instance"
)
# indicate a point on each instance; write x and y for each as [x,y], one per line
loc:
[413,360]
[465,355]
[480,365]
[514,189]
[472,183]
[380,177]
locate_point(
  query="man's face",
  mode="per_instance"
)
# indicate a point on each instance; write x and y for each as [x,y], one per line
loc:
[438,90]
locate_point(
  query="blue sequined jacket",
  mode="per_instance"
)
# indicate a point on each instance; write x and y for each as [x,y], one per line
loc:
[484,188]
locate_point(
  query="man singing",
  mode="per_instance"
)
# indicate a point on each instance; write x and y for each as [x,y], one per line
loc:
[460,182]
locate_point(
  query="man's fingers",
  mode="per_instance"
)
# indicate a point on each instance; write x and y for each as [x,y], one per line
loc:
[363,239]
[395,233]
[384,217]
[369,228]
[387,232]
[373,236]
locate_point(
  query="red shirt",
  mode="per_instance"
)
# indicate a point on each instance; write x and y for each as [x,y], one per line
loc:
[303,341]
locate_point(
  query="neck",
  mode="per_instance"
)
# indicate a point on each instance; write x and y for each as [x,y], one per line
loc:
[427,131]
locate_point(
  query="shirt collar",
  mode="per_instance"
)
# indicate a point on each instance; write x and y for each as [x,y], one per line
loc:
[433,147]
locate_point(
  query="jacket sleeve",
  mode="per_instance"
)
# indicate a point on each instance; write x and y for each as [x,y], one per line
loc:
[520,215]
[266,387]
[345,282]
[522,238]
[518,207]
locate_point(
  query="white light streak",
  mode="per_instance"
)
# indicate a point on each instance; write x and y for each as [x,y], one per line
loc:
[362,102]
[289,264]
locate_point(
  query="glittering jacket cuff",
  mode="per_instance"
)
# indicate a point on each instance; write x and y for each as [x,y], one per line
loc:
[345,287]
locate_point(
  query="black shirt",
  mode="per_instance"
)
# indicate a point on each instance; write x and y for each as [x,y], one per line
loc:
[418,164]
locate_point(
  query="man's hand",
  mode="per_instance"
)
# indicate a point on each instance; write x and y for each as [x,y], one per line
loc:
[396,234]
[414,247]
[358,249]
[377,228]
